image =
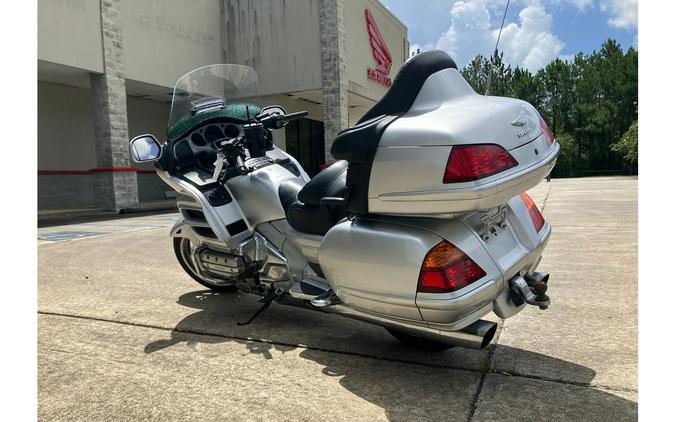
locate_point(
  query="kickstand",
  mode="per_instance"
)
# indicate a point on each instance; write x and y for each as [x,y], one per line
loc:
[266,301]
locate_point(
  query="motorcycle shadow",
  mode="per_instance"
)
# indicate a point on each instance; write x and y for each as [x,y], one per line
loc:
[406,383]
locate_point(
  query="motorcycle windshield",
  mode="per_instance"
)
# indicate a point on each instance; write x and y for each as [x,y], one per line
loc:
[218,90]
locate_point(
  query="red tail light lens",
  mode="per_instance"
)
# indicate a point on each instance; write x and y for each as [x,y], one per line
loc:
[446,269]
[473,162]
[536,216]
[548,135]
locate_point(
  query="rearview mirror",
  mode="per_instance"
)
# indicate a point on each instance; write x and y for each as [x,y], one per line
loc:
[272,117]
[273,109]
[145,148]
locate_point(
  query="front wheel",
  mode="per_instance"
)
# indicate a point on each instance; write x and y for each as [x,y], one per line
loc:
[419,342]
[182,248]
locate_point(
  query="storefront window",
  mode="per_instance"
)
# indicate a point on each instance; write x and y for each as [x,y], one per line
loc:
[304,141]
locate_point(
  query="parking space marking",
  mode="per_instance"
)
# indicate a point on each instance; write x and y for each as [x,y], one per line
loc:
[67,235]
[103,228]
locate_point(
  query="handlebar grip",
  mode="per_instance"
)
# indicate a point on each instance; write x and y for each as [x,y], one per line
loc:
[241,167]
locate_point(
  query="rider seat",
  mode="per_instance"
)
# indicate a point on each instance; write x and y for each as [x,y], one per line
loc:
[303,207]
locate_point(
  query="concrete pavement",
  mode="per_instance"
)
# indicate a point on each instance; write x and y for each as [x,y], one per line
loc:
[124,334]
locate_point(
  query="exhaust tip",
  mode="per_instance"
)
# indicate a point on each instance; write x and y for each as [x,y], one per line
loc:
[480,334]
[489,335]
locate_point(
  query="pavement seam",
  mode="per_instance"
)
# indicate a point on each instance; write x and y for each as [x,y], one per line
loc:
[546,198]
[484,371]
[559,381]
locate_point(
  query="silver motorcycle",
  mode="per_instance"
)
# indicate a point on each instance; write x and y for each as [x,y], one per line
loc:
[422,226]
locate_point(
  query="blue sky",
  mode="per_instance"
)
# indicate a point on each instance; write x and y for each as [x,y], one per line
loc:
[535,31]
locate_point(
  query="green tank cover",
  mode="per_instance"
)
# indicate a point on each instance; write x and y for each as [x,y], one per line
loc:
[232,111]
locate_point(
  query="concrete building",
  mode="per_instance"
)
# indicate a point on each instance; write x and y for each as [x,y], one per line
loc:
[106,69]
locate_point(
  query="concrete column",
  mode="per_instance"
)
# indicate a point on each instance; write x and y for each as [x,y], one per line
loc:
[113,189]
[333,70]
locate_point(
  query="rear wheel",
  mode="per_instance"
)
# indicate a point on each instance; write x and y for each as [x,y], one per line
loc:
[419,342]
[182,248]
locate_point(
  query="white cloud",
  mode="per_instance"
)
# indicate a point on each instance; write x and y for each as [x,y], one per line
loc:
[622,13]
[469,33]
[529,43]
[582,5]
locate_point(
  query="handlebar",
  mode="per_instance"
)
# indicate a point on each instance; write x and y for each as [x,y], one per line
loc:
[298,115]
[233,151]
[277,121]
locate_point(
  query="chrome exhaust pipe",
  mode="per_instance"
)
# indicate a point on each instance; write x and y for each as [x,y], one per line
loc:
[475,336]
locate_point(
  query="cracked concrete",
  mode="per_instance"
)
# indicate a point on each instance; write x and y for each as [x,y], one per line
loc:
[124,334]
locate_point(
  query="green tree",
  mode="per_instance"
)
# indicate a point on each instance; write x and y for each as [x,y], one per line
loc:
[627,147]
[499,75]
[526,86]
[558,79]
[476,73]
[568,164]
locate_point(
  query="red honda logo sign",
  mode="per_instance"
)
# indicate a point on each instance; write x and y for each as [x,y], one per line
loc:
[380,52]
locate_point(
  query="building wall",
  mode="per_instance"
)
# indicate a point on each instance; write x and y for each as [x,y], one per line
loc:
[279,39]
[165,39]
[65,142]
[69,33]
[65,191]
[145,116]
[359,54]
[65,128]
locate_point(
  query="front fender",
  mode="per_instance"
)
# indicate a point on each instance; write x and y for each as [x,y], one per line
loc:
[182,229]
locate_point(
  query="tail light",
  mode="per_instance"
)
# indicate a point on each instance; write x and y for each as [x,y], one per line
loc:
[535,215]
[548,135]
[446,269]
[473,162]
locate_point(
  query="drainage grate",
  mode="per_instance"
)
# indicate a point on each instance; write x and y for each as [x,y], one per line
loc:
[67,235]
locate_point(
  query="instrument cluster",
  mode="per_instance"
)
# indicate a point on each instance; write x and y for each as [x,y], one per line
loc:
[196,154]
[206,135]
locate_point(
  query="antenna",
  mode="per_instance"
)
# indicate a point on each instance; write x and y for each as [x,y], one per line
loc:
[489,81]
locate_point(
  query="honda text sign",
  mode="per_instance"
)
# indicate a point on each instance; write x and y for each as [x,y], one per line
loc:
[380,51]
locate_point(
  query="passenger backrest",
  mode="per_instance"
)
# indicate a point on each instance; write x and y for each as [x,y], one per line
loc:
[358,144]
